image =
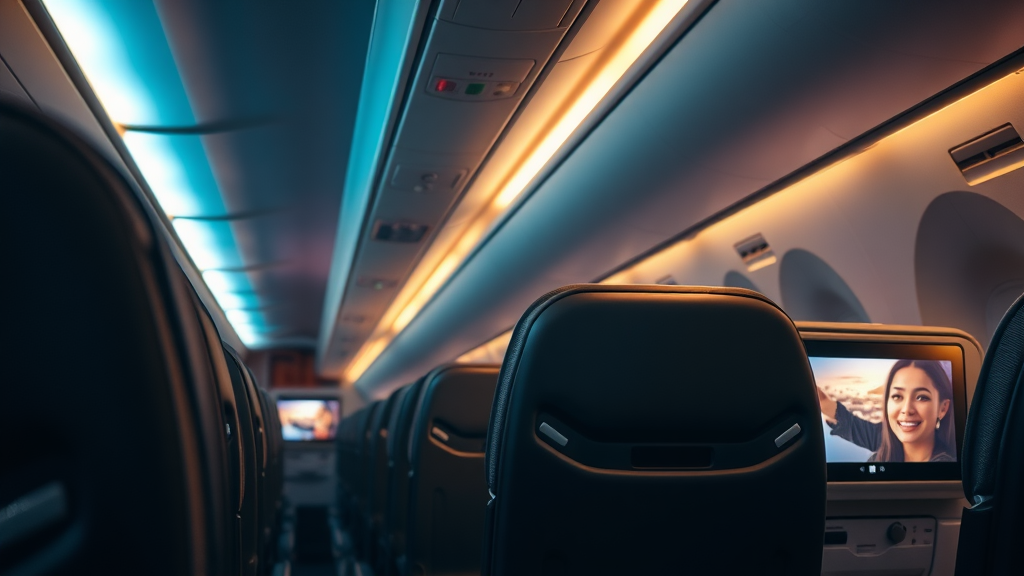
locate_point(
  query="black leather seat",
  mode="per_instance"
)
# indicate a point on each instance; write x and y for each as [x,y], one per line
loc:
[274,493]
[250,438]
[399,433]
[269,481]
[655,430]
[375,503]
[993,466]
[351,442]
[243,536]
[447,491]
[383,534]
[345,443]
[361,480]
[115,451]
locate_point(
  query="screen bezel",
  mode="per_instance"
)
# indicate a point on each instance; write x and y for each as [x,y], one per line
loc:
[900,471]
[277,407]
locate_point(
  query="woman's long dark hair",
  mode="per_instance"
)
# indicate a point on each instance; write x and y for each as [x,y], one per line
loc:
[891,449]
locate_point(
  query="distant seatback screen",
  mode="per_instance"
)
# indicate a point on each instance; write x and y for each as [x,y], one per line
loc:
[892,416]
[308,420]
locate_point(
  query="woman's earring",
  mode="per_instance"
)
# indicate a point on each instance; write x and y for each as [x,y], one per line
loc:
[938,422]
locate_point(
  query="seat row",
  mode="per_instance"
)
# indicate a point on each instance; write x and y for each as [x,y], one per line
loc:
[630,429]
[411,489]
[135,441]
[641,430]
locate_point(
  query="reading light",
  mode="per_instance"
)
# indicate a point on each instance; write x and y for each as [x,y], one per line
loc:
[400,314]
[122,49]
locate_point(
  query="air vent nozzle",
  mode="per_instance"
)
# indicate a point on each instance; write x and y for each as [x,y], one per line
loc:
[990,155]
[755,252]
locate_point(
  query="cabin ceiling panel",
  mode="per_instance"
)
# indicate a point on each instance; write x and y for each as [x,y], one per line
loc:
[754,92]
[248,163]
[274,90]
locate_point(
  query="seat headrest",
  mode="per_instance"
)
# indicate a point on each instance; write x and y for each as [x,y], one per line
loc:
[644,422]
[401,417]
[451,400]
[643,364]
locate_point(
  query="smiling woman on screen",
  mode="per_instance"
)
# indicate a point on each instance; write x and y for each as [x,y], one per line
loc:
[918,422]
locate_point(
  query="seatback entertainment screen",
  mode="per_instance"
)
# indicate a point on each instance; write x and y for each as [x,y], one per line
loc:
[308,419]
[890,411]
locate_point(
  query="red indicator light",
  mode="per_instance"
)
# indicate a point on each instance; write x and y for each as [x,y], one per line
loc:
[444,86]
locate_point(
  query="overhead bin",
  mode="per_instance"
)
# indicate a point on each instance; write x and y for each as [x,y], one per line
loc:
[497,88]
[511,14]
[480,60]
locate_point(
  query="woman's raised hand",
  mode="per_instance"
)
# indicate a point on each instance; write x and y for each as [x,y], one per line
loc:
[828,405]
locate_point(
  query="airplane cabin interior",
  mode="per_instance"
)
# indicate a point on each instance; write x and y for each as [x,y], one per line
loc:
[512,287]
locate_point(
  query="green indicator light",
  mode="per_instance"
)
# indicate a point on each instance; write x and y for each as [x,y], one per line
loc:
[474,89]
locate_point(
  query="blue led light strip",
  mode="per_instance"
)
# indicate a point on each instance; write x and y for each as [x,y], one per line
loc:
[121,47]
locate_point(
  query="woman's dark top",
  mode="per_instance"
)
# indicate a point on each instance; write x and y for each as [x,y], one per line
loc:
[850,428]
[943,457]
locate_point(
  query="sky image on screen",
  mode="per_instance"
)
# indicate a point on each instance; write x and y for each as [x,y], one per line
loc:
[308,419]
[859,385]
